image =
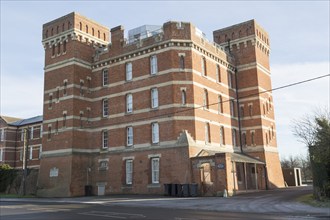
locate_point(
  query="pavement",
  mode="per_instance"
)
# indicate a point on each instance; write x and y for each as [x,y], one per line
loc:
[281,201]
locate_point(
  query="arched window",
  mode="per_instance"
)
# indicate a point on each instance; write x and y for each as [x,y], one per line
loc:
[205,100]
[240,33]
[93,31]
[53,50]
[234,137]
[58,48]
[203,65]
[220,105]
[69,25]
[104,36]
[62,27]
[252,138]
[266,138]
[46,35]
[57,29]
[80,26]
[182,63]
[222,135]
[98,34]
[52,32]
[207,133]
[87,29]
[183,97]
[218,73]
[64,46]
[232,36]
[244,139]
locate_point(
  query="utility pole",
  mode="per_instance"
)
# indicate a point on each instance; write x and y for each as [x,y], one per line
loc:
[25,151]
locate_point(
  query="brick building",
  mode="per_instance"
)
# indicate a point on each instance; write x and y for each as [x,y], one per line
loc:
[12,141]
[164,106]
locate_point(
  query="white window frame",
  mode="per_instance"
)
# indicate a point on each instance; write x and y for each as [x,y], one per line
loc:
[31,153]
[1,154]
[154,98]
[218,73]
[41,128]
[105,139]
[129,103]
[155,133]
[40,151]
[203,60]
[129,71]
[129,171]
[22,134]
[155,170]
[234,136]
[31,132]
[153,65]
[2,135]
[183,97]
[222,135]
[232,108]
[129,136]
[230,83]
[207,133]
[105,107]
[105,77]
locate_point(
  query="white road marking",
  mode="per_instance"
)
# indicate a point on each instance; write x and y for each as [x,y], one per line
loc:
[118,215]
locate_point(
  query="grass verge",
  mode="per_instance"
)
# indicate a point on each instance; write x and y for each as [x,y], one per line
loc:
[309,200]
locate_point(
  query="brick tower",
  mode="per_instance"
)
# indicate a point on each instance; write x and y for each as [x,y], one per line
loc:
[248,43]
[69,43]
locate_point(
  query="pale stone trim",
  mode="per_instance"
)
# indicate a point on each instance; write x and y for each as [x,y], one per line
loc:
[68,62]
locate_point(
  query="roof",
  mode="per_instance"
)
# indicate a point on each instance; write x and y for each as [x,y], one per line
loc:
[9,120]
[33,120]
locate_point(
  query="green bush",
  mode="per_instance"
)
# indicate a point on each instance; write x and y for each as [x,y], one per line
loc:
[7,175]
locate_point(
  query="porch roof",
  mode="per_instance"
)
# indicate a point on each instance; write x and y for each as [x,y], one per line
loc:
[243,158]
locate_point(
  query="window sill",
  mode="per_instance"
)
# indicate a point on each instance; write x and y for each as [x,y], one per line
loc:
[154,185]
[154,109]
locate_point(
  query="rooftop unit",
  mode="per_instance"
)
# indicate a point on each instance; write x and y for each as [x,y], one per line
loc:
[144,31]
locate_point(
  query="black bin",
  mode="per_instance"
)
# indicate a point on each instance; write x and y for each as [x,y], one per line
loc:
[193,189]
[167,189]
[88,190]
[174,191]
[185,190]
[178,190]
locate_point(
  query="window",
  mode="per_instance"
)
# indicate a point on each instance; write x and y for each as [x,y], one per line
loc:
[64,46]
[154,98]
[21,155]
[129,132]
[58,94]
[207,133]
[232,108]
[56,127]
[230,83]
[87,29]
[250,110]
[31,133]
[80,26]
[264,108]
[103,165]
[183,97]
[155,133]
[129,103]
[40,131]
[266,138]
[129,71]
[220,105]
[129,172]
[50,103]
[205,100]
[49,133]
[2,135]
[218,74]
[155,170]
[153,65]
[81,119]
[104,37]
[252,138]
[244,139]
[58,49]
[65,85]
[64,120]
[105,139]
[105,108]
[203,65]
[222,135]
[40,151]
[181,62]
[31,153]
[22,134]
[53,50]
[242,111]
[1,154]
[81,89]
[98,34]
[93,32]
[234,137]
[105,74]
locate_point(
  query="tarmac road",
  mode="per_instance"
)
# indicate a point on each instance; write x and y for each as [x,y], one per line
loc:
[272,204]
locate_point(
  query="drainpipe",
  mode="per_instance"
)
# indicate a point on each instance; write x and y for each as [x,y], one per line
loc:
[238,112]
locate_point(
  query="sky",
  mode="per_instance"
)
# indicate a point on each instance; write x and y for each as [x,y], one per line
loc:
[299,40]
